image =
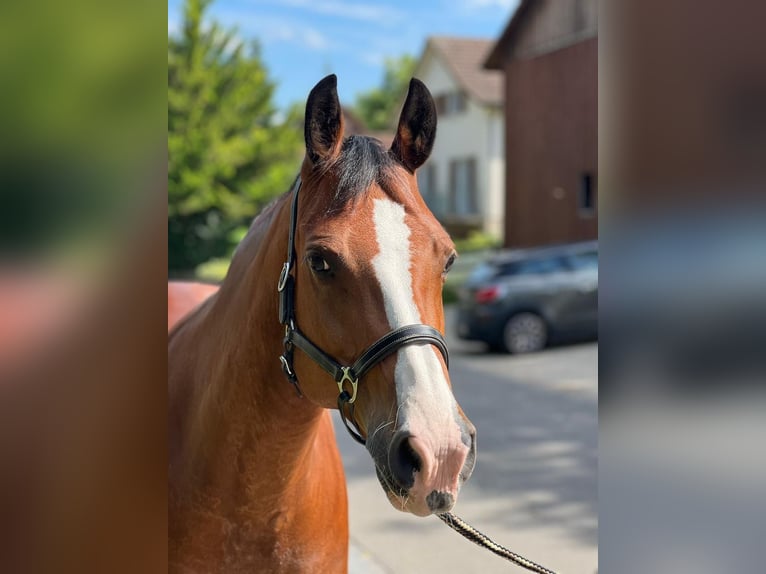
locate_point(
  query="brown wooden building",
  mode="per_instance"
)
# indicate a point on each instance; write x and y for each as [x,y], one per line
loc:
[549,53]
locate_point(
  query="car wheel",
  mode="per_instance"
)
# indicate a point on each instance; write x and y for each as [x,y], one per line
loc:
[525,333]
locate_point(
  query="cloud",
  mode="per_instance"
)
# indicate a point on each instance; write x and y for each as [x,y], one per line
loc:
[366,12]
[374,59]
[315,40]
[275,29]
[482,4]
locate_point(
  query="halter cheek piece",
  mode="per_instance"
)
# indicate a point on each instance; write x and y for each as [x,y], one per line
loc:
[346,377]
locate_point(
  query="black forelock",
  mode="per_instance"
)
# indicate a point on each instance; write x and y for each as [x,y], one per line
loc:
[362,162]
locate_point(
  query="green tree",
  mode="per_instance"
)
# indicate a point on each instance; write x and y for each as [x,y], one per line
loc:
[377,107]
[228,154]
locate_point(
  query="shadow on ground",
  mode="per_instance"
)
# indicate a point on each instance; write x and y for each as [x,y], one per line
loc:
[537,455]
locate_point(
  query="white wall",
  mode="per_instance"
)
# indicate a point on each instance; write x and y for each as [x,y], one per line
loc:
[476,132]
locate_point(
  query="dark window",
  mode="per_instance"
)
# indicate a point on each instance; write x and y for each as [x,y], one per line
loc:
[462,187]
[587,198]
[441,104]
[579,16]
[427,186]
[456,103]
[531,266]
[451,103]
[482,272]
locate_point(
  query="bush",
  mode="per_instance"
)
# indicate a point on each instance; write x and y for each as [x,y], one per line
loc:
[477,241]
[213,270]
[449,293]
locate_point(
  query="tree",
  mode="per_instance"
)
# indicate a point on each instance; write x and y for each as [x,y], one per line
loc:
[228,155]
[377,107]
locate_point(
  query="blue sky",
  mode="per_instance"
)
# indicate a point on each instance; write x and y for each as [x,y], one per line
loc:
[304,40]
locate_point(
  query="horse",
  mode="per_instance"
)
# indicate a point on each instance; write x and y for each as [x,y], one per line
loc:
[256,482]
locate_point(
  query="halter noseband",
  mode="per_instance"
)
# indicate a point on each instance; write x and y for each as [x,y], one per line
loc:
[351,374]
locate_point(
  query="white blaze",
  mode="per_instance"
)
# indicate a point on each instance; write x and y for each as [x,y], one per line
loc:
[427,406]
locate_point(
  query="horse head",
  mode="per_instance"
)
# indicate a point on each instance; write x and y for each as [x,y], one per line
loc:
[370,257]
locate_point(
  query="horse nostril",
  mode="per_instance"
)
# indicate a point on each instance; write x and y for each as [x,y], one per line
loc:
[403,460]
[468,436]
[469,439]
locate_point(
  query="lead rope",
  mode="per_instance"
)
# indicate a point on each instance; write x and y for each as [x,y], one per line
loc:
[455,522]
[462,527]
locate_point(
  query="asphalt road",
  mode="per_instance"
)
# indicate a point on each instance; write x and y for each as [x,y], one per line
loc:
[534,486]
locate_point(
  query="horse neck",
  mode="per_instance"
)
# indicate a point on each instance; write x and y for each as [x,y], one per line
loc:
[241,407]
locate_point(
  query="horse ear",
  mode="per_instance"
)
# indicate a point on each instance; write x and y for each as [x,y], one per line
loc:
[324,121]
[417,127]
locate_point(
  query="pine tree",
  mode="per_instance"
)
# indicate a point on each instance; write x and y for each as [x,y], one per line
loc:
[228,154]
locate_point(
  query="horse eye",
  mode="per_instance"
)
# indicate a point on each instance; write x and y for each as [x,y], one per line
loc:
[450,261]
[318,264]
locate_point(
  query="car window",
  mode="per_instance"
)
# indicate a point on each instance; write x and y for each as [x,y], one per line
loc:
[586,260]
[531,266]
[482,272]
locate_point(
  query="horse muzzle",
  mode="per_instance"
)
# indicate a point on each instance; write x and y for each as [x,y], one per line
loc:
[421,475]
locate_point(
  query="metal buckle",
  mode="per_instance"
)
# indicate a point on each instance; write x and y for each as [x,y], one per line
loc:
[283,277]
[354,382]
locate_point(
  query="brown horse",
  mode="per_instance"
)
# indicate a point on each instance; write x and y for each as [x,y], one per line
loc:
[256,482]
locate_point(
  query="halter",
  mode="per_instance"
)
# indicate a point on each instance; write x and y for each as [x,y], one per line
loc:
[345,376]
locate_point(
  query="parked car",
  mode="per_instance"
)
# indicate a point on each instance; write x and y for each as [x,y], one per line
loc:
[521,300]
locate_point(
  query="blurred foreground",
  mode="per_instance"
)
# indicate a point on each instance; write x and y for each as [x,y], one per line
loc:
[683,391]
[82,298]
[682,302]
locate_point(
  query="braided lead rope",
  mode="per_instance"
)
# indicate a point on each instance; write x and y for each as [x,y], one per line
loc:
[462,527]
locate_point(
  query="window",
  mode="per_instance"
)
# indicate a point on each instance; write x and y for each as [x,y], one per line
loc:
[579,21]
[586,260]
[456,103]
[462,187]
[587,198]
[427,186]
[441,104]
[450,103]
[540,266]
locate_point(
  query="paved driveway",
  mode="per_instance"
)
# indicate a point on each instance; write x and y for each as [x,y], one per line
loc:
[534,486]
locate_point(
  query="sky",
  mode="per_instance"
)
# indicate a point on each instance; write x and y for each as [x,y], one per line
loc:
[304,40]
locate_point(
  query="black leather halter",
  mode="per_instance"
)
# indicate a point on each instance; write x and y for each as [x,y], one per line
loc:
[344,376]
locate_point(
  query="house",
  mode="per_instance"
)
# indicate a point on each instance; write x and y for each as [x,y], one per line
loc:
[549,55]
[462,182]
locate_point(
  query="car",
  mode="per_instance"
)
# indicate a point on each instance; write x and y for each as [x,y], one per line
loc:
[522,300]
